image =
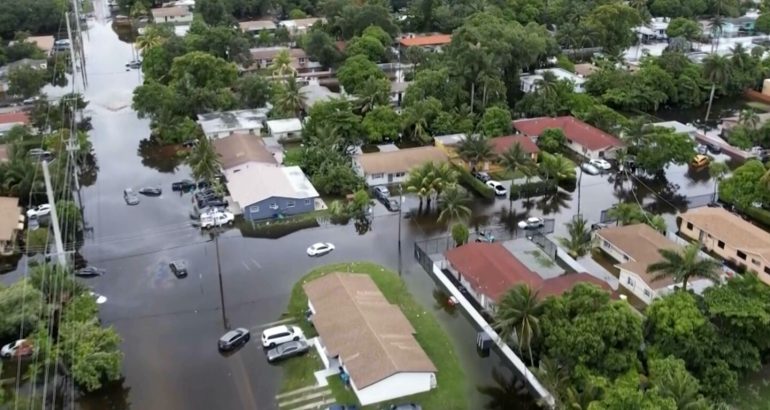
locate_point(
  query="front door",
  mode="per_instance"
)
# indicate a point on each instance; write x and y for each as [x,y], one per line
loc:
[390,178]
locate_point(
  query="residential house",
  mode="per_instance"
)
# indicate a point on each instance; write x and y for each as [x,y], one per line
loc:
[730,237]
[449,143]
[11,223]
[314,93]
[585,69]
[430,42]
[239,149]
[263,58]
[12,119]
[257,26]
[397,91]
[226,123]
[739,26]
[502,144]
[655,30]
[173,15]
[582,138]
[286,129]
[360,331]
[25,62]
[379,168]
[264,190]
[678,128]
[531,82]
[44,43]
[488,271]
[299,27]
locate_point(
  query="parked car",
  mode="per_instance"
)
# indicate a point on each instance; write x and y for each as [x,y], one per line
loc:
[130,197]
[278,335]
[134,64]
[484,236]
[714,148]
[19,348]
[390,203]
[482,176]
[90,271]
[40,154]
[701,149]
[38,211]
[204,184]
[600,163]
[342,407]
[598,225]
[216,219]
[204,194]
[213,202]
[287,350]
[498,187]
[150,191]
[320,248]
[381,191]
[589,169]
[406,406]
[534,222]
[233,339]
[99,299]
[699,161]
[183,185]
[178,268]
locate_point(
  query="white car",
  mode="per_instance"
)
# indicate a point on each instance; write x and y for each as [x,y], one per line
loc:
[589,169]
[602,164]
[281,334]
[532,223]
[19,348]
[99,299]
[210,220]
[320,248]
[498,187]
[38,211]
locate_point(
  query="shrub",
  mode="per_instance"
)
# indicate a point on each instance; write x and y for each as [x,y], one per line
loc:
[530,189]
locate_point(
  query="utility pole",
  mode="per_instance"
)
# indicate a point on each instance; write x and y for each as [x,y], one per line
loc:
[60,255]
[221,287]
[400,207]
[580,183]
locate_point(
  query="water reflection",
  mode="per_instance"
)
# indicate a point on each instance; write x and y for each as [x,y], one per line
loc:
[164,158]
[113,396]
[508,392]
[88,169]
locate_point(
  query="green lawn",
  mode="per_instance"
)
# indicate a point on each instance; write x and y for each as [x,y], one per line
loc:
[450,393]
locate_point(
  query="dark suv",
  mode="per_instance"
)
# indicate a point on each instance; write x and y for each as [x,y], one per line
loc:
[178,268]
[233,339]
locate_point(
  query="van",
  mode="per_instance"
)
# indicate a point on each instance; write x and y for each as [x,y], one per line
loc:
[699,161]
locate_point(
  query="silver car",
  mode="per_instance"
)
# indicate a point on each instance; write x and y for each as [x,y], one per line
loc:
[287,350]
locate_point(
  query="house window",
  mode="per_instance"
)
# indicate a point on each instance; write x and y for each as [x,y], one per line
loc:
[631,282]
[377,176]
[290,204]
[274,206]
[308,202]
[689,225]
[302,60]
[741,255]
[254,209]
[647,293]
[606,244]
[767,270]
[755,262]
[626,258]
[400,174]
[721,245]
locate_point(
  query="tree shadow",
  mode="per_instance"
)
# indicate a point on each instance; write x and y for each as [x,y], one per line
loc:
[163,158]
[508,392]
[113,396]
[88,169]
[555,202]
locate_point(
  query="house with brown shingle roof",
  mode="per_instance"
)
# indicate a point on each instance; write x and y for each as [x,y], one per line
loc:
[429,41]
[489,270]
[370,338]
[582,138]
[392,167]
[502,144]
[12,119]
[257,26]
[172,14]
[11,223]
[241,148]
[729,236]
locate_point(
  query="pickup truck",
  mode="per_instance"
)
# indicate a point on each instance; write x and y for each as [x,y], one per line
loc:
[210,220]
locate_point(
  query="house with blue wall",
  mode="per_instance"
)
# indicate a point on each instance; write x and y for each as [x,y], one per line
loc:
[264,190]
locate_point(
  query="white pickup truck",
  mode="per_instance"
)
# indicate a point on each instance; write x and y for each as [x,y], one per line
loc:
[210,220]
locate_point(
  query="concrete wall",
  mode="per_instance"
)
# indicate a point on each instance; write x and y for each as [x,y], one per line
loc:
[272,206]
[386,178]
[637,286]
[398,385]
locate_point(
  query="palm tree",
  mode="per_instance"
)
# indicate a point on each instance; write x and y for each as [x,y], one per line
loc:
[580,240]
[740,58]
[281,65]
[290,98]
[556,166]
[418,181]
[475,149]
[204,160]
[681,265]
[717,24]
[516,159]
[626,213]
[442,176]
[680,386]
[716,68]
[151,38]
[718,170]
[518,315]
[749,119]
[454,204]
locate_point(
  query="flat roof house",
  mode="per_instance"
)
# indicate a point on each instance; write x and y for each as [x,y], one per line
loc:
[11,223]
[432,42]
[488,271]
[44,43]
[12,119]
[173,14]
[729,236]
[380,168]
[257,26]
[634,248]
[369,337]
[239,149]
[300,26]
[264,190]
[285,129]
[225,123]
[531,82]
[582,138]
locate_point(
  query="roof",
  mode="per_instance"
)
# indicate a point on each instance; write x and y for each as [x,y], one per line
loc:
[253,182]
[10,213]
[642,244]
[314,93]
[490,268]
[284,125]
[585,69]
[174,11]
[239,149]
[589,137]
[229,121]
[399,86]
[44,43]
[677,127]
[501,144]
[399,161]
[301,23]
[269,53]
[428,40]
[371,336]
[731,229]
[450,140]
[255,25]
[558,285]
[14,118]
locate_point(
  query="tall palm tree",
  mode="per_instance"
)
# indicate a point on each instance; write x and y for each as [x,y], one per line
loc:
[681,387]
[716,69]
[453,203]
[204,160]
[475,149]
[717,24]
[518,315]
[290,98]
[580,240]
[556,167]
[739,58]
[718,170]
[626,213]
[516,159]
[442,176]
[681,265]
[281,65]
[749,119]
[418,181]
[151,38]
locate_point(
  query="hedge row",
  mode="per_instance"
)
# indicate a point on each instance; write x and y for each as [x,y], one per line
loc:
[530,189]
[473,184]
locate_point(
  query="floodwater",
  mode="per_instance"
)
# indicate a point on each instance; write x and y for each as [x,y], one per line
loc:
[170,326]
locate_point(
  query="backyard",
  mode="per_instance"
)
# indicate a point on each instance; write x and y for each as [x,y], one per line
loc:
[451,390]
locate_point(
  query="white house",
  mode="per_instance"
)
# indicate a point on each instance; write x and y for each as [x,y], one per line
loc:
[257,26]
[300,26]
[655,30]
[530,82]
[370,338]
[392,167]
[174,15]
[225,123]
[285,129]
